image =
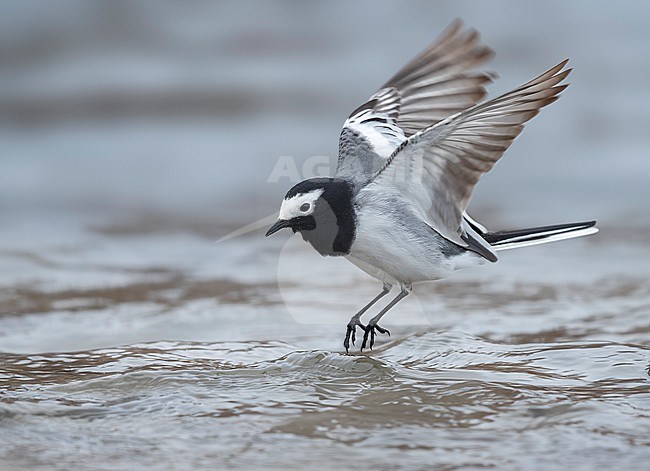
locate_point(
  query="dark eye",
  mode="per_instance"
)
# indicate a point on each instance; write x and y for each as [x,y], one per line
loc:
[305,207]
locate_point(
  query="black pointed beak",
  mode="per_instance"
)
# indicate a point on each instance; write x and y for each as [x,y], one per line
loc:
[280,224]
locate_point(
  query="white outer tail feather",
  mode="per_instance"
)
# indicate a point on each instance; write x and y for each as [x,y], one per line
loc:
[553,236]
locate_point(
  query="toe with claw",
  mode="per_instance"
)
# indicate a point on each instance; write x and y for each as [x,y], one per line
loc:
[352,333]
[370,332]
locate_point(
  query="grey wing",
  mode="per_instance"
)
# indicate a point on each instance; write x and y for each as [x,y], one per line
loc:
[437,168]
[436,84]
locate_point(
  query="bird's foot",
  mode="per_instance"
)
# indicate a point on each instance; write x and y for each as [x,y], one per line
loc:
[351,333]
[370,332]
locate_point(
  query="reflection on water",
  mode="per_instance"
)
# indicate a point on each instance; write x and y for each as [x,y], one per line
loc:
[439,398]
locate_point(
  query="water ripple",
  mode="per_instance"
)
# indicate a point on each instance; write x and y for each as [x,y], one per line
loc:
[413,395]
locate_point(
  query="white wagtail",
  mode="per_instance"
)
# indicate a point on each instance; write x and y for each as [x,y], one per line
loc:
[408,161]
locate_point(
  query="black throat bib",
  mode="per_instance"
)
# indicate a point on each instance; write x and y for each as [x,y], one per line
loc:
[332,230]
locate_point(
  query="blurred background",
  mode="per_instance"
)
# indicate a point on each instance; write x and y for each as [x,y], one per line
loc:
[176,113]
[133,135]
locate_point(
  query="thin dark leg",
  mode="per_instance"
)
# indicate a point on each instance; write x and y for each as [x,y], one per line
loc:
[354,322]
[372,324]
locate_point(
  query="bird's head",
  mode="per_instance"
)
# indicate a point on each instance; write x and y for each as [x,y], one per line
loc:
[299,205]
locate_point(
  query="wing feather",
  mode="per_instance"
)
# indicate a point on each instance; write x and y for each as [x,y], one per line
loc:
[436,84]
[438,167]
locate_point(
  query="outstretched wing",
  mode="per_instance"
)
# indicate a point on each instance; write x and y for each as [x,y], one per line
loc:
[438,167]
[436,84]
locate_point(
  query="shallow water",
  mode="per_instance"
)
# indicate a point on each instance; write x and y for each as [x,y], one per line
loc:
[130,340]
[440,399]
[502,367]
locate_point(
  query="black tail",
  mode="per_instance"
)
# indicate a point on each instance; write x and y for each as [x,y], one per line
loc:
[503,240]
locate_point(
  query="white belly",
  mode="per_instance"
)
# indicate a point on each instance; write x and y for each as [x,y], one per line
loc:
[404,251]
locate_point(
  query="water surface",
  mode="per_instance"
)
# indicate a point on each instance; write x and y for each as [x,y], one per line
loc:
[134,137]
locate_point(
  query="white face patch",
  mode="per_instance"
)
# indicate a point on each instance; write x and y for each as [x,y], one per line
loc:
[300,205]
